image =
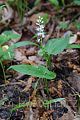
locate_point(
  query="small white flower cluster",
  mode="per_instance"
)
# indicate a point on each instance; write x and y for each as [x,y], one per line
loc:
[40,28]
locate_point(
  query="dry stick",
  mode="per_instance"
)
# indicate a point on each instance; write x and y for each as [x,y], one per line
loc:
[35,8]
[62,12]
[74,18]
[50,32]
[31,11]
[70,6]
[15,83]
[66,7]
[73,90]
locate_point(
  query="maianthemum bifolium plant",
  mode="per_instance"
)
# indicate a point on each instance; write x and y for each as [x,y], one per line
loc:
[53,47]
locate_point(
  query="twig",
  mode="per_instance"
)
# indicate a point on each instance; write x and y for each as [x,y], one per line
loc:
[73,19]
[15,83]
[62,12]
[66,7]
[50,32]
[31,11]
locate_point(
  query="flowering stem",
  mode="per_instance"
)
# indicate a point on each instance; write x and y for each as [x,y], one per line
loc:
[48,61]
[46,56]
[46,86]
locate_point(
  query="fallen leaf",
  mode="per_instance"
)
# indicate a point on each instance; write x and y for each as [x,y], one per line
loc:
[60,87]
[7,14]
[73,39]
[28,84]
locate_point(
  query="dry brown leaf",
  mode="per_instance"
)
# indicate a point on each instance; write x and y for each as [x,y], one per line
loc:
[34,102]
[69,115]
[45,116]
[7,14]
[51,90]
[36,59]
[60,87]
[31,51]
[2,1]
[20,56]
[26,61]
[33,94]
[28,84]
[34,17]
[34,114]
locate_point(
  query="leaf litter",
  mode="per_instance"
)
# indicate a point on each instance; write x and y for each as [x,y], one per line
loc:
[21,88]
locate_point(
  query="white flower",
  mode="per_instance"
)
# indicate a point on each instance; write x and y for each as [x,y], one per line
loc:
[40,28]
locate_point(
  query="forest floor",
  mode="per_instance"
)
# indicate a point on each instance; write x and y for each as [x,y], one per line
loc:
[18,91]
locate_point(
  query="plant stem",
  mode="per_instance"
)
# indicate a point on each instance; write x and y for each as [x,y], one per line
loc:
[46,86]
[48,61]
[3,71]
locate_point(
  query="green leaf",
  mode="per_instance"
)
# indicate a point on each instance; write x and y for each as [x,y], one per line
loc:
[23,43]
[20,105]
[77,25]
[37,71]
[2,101]
[77,46]
[46,18]
[54,2]
[63,25]
[8,35]
[63,2]
[2,6]
[11,34]
[53,101]
[5,55]
[56,45]
[19,44]
[46,103]
[9,54]
[3,39]
[37,2]
[1,52]
[77,2]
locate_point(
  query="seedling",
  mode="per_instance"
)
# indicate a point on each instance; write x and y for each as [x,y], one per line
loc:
[47,103]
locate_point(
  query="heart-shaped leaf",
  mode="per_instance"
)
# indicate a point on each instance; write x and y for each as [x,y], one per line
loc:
[11,34]
[37,71]
[8,35]
[23,43]
[56,45]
